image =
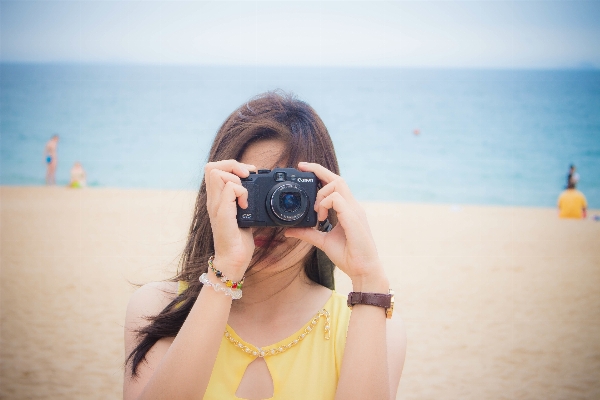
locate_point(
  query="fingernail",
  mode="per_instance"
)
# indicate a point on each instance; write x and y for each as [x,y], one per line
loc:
[302,163]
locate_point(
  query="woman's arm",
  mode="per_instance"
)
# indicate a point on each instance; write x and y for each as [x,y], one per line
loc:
[180,368]
[396,352]
[366,371]
[374,353]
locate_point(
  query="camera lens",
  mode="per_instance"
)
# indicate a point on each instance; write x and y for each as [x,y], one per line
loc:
[290,202]
[287,203]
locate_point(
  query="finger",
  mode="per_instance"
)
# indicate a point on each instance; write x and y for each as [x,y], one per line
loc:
[231,193]
[324,175]
[218,179]
[308,235]
[241,194]
[225,165]
[322,213]
[224,177]
[244,168]
[338,185]
[231,166]
[346,214]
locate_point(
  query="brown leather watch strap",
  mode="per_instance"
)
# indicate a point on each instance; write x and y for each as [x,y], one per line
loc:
[372,299]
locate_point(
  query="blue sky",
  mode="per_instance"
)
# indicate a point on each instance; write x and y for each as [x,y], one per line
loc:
[490,34]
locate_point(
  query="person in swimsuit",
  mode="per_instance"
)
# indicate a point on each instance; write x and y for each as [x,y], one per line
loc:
[78,179]
[290,336]
[51,159]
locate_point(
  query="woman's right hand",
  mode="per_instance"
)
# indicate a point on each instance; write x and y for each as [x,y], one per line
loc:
[234,246]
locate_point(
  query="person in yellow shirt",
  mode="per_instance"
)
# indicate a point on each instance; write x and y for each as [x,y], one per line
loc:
[291,336]
[77,176]
[572,203]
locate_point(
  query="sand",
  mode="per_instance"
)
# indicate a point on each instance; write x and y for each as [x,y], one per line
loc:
[499,302]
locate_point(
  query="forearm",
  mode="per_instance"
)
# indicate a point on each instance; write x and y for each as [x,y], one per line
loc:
[182,368]
[185,370]
[364,373]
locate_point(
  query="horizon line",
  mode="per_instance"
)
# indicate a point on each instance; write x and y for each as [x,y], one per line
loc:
[307,66]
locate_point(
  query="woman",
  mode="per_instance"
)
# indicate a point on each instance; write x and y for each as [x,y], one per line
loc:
[289,336]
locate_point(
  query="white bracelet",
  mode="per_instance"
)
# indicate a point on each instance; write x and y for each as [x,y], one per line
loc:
[235,294]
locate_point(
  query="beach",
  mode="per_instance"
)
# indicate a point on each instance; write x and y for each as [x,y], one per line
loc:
[498,302]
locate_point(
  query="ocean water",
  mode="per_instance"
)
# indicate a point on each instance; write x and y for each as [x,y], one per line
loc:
[497,137]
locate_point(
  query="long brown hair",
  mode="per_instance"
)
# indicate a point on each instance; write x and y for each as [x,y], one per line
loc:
[270,115]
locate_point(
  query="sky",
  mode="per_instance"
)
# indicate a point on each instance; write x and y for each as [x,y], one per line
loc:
[455,34]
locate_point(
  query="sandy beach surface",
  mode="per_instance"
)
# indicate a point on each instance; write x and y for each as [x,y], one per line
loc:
[499,302]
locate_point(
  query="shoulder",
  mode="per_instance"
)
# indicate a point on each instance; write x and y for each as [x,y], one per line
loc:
[148,300]
[154,293]
[338,305]
[338,299]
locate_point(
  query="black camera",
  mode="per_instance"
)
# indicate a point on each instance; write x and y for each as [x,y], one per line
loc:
[281,197]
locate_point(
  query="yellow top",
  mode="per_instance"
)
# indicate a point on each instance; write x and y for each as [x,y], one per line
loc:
[571,204]
[309,369]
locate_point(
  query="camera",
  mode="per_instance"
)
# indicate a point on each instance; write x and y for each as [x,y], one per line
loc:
[279,197]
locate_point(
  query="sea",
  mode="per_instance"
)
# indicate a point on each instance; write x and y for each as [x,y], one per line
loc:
[449,136]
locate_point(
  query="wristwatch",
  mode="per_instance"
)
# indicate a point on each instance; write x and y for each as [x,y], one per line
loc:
[385,301]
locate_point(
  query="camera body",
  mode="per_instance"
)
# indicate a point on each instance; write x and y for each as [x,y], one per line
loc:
[279,197]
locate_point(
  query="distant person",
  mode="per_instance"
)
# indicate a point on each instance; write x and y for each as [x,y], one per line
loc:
[77,176]
[573,176]
[572,203]
[51,160]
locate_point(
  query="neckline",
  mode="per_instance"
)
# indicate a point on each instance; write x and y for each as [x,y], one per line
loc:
[284,341]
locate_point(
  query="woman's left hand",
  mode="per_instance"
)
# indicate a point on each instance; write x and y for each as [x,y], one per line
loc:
[350,244]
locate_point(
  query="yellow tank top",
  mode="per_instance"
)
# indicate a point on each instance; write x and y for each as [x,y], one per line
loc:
[308,369]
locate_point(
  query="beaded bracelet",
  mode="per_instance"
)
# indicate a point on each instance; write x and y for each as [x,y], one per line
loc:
[223,278]
[235,294]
